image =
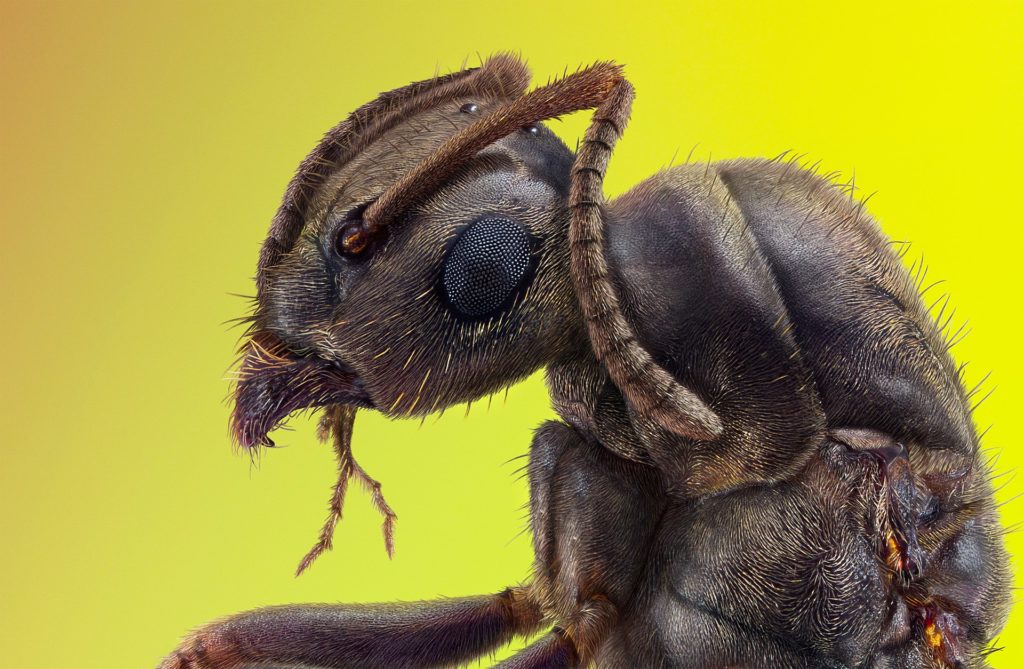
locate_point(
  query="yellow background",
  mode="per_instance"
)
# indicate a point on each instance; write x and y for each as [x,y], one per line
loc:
[144,150]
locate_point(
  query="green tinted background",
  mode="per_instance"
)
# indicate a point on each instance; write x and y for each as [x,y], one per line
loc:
[145,149]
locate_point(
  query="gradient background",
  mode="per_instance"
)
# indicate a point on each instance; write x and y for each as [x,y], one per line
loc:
[145,149]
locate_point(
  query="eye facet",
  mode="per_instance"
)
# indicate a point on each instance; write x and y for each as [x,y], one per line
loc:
[486,267]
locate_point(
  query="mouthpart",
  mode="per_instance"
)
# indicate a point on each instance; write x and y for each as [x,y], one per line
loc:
[274,382]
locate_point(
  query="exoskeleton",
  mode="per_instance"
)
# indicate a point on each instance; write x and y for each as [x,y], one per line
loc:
[765,455]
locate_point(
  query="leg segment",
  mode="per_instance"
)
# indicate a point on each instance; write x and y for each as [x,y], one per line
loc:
[554,651]
[574,645]
[594,516]
[418,635]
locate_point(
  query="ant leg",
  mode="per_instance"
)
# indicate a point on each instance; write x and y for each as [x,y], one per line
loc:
[416,635]
[574,645]
[554,651]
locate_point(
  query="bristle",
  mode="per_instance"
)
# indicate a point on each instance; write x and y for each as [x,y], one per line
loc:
[689,156]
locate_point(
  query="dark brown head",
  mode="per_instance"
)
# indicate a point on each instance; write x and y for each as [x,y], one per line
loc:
[420,257]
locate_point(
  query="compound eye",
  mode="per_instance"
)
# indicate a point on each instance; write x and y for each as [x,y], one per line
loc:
[486,267]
